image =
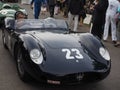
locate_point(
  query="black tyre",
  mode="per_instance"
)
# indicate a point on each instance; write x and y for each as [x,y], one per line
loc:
[24,76]
[4,40]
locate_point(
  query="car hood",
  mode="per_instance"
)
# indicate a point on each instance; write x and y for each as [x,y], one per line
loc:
[54,40]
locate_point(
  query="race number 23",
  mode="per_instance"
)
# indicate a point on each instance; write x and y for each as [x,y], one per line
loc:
[69,52]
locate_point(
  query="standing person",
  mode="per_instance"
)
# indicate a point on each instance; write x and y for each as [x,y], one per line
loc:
[118,35]
[98,19]
[37,7]
[110,19]
[51,4]
[118,29]
[65,8]
[82,14]
[75,7]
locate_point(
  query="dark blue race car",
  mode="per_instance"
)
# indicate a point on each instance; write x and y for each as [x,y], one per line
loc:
[46,50]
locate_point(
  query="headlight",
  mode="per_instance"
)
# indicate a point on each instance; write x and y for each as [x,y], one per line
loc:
[104,53]
[36,56]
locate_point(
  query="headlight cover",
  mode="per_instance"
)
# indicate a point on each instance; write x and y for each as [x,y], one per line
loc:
[36,56]
[104,53]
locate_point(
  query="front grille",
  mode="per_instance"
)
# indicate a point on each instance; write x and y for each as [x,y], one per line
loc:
[77,78]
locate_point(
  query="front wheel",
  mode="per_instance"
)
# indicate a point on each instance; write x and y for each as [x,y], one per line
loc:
[24,76]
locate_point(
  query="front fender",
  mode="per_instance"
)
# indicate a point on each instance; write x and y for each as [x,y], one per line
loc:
[26,43]
[29,42]
[90,41]
[92,45]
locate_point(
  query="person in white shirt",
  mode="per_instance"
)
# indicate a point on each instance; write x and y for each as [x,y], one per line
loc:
[110,19]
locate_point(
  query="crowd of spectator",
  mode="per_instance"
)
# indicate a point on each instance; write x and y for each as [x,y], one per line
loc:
[76,10]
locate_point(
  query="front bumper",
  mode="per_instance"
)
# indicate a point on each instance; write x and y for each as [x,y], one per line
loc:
[68,79]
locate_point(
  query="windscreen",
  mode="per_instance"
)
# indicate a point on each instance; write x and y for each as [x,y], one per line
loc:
[41,24]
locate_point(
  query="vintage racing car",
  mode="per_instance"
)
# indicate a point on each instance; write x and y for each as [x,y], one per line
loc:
[46,50]
[8,10]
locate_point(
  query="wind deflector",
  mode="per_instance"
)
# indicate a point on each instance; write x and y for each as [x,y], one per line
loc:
[41,23]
